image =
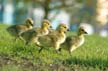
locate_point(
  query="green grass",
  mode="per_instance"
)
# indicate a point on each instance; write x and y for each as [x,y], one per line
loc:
[14,56]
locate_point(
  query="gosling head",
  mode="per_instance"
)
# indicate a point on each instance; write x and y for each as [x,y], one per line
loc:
[81,31]
[62,28]
[29,21]
[46,24]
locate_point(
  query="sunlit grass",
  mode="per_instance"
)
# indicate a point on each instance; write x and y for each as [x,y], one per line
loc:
[92,56]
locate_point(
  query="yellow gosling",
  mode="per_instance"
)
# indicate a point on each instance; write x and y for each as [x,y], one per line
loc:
[16,30]
[74,42]
[31,36]
[55,38]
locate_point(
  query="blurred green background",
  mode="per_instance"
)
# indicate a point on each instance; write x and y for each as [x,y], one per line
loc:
[90,13]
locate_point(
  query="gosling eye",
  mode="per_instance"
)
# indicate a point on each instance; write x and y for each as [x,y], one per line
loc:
[82,29]
[29,21]
[48,24]
[64,26]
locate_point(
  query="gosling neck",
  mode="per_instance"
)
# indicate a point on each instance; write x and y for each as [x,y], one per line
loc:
[80,35]
[61,32]
[44,28]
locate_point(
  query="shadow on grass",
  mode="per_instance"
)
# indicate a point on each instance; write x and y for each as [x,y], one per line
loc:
[87,62]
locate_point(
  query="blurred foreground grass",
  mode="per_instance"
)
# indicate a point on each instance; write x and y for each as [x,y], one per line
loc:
[14,56]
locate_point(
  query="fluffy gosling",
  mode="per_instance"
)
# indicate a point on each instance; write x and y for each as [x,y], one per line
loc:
[31,36]
[16,30]
[55,38]
[74,42]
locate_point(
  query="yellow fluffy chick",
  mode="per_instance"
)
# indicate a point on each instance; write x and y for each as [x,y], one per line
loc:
[16,30]
[74,42]
[31,36]
[55,38]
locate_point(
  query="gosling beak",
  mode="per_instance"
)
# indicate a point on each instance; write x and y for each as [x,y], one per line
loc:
[68,29]
[51,27]
[85,32]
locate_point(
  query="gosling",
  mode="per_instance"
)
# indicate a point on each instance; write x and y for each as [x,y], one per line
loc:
[74,42]
[16,30]
[31,36]
[55,38]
